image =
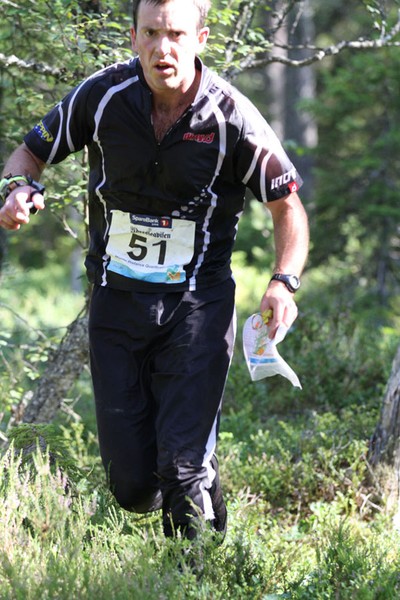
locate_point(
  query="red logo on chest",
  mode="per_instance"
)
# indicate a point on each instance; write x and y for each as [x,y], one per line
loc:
[200,138]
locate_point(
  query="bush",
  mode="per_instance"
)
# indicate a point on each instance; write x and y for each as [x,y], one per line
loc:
[301,523]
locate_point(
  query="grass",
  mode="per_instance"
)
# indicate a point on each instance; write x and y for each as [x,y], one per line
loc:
[305,521]
[64,539]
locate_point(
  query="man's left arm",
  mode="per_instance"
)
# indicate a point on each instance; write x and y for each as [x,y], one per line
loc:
[291,236]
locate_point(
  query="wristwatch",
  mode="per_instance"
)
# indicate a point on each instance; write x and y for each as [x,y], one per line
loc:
[291,281]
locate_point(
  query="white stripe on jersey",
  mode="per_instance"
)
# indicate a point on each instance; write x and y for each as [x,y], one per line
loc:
[97,119]
[263,177]
[263,169]
[252,166]
[221,155]
[69,114]
[68,131]
[58,138]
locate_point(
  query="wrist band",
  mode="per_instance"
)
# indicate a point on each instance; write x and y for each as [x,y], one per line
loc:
[10,182]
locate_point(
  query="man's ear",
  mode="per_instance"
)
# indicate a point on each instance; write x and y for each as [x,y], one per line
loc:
[202,38]
[133,38]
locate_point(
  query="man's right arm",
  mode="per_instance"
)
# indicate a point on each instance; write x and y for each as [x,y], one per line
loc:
[15,211]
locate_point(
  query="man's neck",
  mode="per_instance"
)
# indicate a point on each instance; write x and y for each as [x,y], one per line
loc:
[174,101]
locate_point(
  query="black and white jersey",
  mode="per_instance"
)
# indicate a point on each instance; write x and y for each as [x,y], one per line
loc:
[164,215]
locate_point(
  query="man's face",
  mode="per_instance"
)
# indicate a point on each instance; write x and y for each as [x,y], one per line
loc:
[167,40]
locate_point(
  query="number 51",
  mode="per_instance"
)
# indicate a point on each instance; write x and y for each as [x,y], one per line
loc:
[139,245]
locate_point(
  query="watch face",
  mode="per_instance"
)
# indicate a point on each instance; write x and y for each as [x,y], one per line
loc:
[291,281]
[294,282]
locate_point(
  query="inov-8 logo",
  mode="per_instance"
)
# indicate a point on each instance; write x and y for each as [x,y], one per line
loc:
[283,179]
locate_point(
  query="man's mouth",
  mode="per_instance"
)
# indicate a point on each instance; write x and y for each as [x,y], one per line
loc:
[163,67]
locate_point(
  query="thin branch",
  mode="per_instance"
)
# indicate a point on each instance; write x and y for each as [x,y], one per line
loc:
[24,321]
[67,228]
[321,53]
[14,61]
[385,41]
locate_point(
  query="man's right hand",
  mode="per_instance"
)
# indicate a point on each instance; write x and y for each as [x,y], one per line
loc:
[16,209]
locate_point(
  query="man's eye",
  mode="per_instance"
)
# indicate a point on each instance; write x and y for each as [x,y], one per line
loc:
[176,34]
[149,33]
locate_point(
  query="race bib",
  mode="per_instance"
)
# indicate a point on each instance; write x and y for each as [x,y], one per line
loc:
[153,249]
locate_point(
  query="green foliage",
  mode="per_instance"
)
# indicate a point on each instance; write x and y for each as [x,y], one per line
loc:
[234,36]
[255,236]
[59,542]
[72,39]
[298,457]
[32,325]
[293,466]
[349,565]
[26,439]
[355,225]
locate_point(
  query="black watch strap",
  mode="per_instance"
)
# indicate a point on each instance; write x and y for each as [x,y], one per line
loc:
[292,282]
[10,182]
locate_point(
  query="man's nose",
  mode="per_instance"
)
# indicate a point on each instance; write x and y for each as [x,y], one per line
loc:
[164,45]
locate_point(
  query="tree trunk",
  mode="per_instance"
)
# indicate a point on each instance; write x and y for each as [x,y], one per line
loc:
[289,86]
[63,370]
[301,86]
[384,454]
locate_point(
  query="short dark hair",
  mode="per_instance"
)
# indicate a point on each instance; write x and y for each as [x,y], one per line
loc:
[203,6]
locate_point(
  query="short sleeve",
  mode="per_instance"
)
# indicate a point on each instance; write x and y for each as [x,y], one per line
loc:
[64,130]
[262,163]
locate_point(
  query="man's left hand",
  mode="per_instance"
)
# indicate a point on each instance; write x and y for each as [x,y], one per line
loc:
[279,300]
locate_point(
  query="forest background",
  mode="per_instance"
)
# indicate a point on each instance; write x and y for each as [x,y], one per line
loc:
[309,516]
